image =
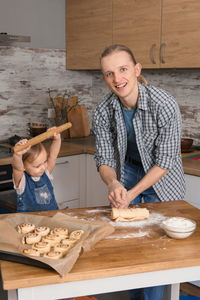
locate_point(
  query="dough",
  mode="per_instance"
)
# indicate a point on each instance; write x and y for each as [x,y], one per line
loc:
[42,230]
[25,227]
[62,248]
[32,252]
[42,247]
[31,238]
[76,234]
[62,232]
[129,214]
[52,239]
[53,254]
[69,242]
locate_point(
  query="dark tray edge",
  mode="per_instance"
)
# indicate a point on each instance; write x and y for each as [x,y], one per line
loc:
[18,258]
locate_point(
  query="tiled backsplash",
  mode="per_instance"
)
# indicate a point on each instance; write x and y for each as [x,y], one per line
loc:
[26,74]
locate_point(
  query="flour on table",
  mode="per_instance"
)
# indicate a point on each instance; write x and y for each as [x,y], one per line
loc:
[128,236]
[154,219]
[90,211]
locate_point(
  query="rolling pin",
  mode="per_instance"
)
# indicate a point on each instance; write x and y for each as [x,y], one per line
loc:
[41,137]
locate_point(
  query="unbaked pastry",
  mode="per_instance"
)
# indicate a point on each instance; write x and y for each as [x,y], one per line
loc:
[32,252]
[31,238]
[53,254]
[69,242]
[76,234]
[62,248]
[25,227]
[63,232]
[42,230]
[52,239]
[42,247]
[129,214]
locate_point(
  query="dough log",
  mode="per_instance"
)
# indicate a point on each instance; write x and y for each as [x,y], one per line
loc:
[129,214]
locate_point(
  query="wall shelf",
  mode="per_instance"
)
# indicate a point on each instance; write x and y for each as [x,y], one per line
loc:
[8,38]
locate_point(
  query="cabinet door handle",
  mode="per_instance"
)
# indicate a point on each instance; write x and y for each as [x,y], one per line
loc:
[162,47]
[62,163]
[153,54]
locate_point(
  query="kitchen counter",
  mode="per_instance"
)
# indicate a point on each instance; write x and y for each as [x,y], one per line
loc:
[126,259]
[86,145]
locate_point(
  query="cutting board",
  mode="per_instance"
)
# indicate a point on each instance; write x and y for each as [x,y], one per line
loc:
[78,116]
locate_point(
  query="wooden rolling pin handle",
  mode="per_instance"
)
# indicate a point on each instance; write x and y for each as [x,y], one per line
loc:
[41,137]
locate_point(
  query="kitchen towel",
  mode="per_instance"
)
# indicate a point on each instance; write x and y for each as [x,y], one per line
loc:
[192,155]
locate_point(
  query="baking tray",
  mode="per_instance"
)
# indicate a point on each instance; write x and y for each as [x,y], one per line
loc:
[18,258]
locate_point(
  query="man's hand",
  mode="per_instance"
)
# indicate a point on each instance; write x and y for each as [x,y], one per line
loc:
[117,195]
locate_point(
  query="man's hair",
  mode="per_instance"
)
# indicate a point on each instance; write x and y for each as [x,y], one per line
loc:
[118,48]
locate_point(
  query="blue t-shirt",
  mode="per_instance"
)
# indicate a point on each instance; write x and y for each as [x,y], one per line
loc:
[132,149]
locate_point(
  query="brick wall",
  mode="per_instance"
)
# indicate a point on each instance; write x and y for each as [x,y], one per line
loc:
[26,74]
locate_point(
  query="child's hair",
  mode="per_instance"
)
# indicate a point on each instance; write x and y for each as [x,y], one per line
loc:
[33,152]
[117,48]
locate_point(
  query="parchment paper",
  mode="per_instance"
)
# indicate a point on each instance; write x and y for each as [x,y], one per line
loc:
[11,240]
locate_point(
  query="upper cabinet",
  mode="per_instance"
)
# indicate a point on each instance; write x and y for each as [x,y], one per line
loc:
[180,38]
[88,31]
[161,33]
[137,24]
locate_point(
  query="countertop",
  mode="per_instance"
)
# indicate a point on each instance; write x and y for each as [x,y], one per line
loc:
[113,256]
[86,145]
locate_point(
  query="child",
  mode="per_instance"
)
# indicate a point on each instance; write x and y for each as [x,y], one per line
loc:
[32,169]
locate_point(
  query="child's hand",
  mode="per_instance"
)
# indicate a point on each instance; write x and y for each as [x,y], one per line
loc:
[22,142]
[56,135]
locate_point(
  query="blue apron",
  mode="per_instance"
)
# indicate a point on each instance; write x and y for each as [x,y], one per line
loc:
[37,195]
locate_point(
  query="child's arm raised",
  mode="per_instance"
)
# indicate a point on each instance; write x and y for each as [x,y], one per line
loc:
[54,151]
[17,163]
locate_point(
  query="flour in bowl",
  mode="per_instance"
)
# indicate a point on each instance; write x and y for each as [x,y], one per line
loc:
[179,223]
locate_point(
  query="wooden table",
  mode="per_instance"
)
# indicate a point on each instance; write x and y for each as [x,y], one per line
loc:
[117,263]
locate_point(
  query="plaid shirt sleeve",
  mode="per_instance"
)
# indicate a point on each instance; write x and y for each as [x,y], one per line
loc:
[168,141]
[102,128]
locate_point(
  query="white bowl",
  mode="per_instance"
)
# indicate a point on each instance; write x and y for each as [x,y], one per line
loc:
[178,227]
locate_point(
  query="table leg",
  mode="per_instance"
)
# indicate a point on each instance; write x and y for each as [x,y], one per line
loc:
[173,291]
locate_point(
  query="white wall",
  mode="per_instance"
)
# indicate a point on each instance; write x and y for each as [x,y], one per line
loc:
[42,20]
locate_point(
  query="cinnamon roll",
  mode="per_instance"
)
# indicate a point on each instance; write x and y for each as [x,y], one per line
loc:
[31,238]
[42,230]
[52,239]
[42,247]
[63,232]
[53,255]
[69,242]
[32,252]
[25,227]
[76,234]
[62,248]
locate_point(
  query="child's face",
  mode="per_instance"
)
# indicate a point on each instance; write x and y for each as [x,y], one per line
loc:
[37,167]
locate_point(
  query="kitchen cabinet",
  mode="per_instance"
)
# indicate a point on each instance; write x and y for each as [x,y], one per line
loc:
[88,31]
[180,35]
[162,34]
[137,24]
[67,181]
[192,190]
[97,192]
[77,183]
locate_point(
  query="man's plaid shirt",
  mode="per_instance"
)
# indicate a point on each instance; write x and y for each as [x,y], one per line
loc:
[157,125]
